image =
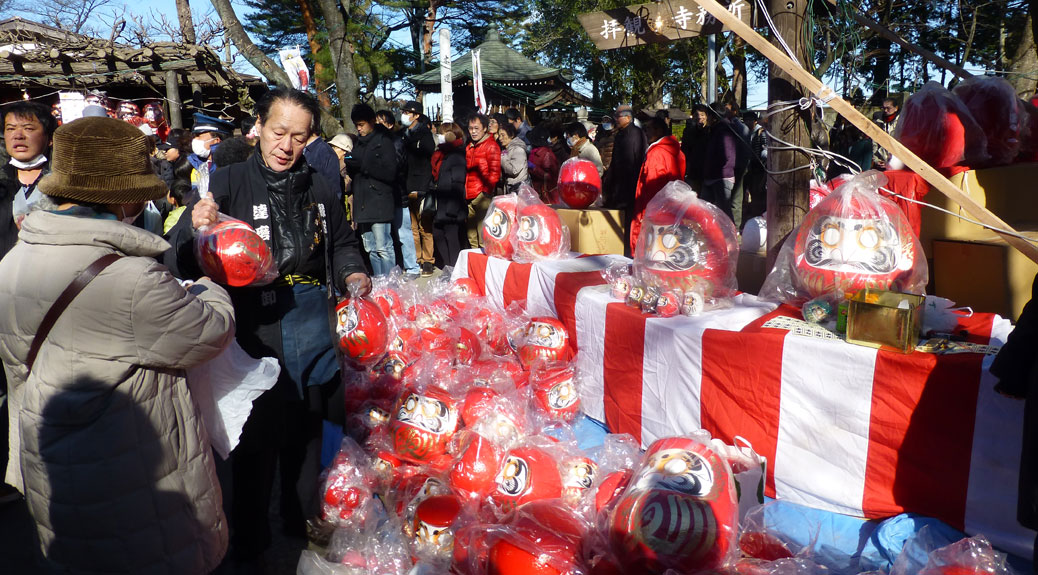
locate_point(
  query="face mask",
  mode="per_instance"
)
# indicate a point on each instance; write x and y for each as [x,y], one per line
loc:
[31,164]
[441,139]
[127,219]
[571,141]
[405,119]
[607,127]
[199,149]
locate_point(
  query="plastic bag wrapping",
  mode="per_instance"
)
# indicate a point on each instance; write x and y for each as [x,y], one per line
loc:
[423,422]
[528,472]
[540,233]
[939,128]
[497,234]
[687,243]
[540,537]
[1028,131]
[233,254]
[363,331]
[224,388]
[371,544]
[968,556]
[347,484]
[679,510]
[556,389]
[544,339]
[853,239]
[579,183]
[789,566]
[993,103]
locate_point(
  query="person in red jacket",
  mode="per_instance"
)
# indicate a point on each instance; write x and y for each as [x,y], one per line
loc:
[482,172]
[543,165]
[664,163]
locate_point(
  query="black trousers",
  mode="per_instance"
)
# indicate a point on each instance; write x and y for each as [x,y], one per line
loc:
[447,239]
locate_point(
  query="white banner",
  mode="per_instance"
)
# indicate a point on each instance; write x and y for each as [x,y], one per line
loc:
[478,97]
[295,67]
[72,104]
[446,83]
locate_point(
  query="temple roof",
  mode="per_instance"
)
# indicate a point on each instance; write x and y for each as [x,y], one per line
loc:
[500,64]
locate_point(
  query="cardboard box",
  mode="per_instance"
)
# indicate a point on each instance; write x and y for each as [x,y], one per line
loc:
[964,267]
[594,230]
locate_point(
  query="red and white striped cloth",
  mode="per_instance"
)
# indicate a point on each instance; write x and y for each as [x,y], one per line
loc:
[845,428]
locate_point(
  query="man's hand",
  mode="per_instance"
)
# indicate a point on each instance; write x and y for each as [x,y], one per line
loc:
[204,213]
[358,284]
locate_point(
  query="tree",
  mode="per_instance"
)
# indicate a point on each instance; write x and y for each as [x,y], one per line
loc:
[71,15]
[187,27]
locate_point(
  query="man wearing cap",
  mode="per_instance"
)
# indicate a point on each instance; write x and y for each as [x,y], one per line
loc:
[106,441]
[621,179]
[208,132]
[419,146]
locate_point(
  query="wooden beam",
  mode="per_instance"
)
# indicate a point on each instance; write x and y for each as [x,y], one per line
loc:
[823,92]
[885,32]
[173,97]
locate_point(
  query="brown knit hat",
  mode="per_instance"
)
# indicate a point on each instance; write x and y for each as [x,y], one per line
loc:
[102,161]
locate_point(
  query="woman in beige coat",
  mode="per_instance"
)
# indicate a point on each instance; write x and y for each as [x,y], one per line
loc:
[106,442]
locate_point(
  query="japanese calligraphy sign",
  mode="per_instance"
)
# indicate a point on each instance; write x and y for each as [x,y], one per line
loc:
[657,23]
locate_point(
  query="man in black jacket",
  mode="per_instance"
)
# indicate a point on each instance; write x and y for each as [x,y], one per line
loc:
[301,218]
[401,217]
[419,146]
[373,165]
[621,179]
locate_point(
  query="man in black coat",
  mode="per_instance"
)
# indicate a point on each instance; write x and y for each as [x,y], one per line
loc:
[301,218]
[621,179]
[373,165]
[419,146]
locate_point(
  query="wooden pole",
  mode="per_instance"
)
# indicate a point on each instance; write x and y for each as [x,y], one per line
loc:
[852,115]
[789,184]
[173,97]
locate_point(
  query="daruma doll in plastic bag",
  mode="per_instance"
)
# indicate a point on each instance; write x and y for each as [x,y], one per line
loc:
[938,128]
[687,243]
[233,254]
[679,511]
[579,183]
[363,331]
[992,102]
[853,239]
[540,234]
[499,227]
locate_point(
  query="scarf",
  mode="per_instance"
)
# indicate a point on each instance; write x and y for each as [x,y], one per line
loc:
[441,152]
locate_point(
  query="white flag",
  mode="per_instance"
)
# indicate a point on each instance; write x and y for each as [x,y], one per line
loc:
[478,96]
[294,65]
[446,82]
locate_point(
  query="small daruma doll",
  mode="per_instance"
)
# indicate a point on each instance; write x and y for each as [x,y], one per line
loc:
[423,424]
[526,474]
[678,512]
[855,239]
[499,227]
[687,244]
[579,183]
[363,331]
[545,339]
[233,254]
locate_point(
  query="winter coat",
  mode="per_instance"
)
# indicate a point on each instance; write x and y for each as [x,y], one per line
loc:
[604,143]
[106,440]
[449,187]
[622,178]
[544,170]
[419,146]
[589,152]
[373,166]
[320,156]
[9,186]
[513,164]
[720,152]
[664,163]
[483,165]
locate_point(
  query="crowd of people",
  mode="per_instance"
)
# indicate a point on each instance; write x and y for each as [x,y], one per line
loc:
[122,202]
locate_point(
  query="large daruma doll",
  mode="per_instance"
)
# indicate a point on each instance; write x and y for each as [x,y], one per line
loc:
[855,239]
[499,227]
[678,512]
[687,243]
[579,183]
[423,424]
[540,234]
[233,254]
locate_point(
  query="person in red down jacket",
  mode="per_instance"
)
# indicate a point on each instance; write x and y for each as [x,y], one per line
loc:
[543,165]
[482,172]
[664,162]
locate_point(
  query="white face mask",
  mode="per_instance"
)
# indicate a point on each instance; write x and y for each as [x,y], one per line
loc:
[441,139]
[405,119]
[571,141]
[128,219]
[607,127]
[199,149]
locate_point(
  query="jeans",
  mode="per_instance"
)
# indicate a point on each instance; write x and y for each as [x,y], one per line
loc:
[402,225]
[378,242]
[719,193]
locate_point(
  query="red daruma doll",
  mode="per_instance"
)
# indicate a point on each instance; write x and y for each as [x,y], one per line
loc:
[233,254]
[499,227]
[678,512]
[363,331]
[579,183]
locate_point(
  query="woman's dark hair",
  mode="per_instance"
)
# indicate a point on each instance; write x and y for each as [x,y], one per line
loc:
[386,116]
[576,129]
[500,118]
[24,109]
[232,151]
[454,128]
[182,169]
[292,96]
[508,128]
[538,136]
[179,191]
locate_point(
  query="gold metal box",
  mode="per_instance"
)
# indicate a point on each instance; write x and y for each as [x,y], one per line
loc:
[885,319]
